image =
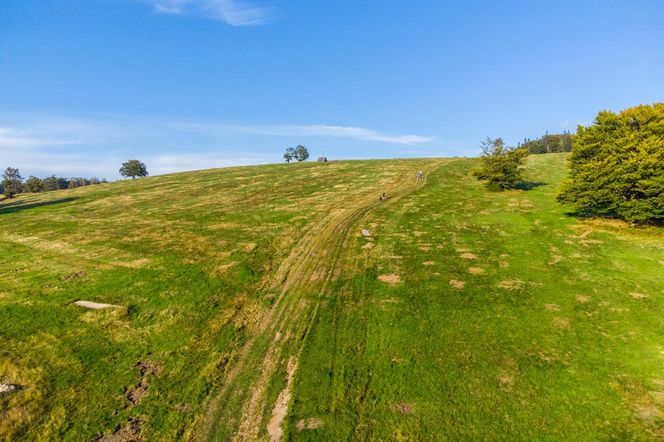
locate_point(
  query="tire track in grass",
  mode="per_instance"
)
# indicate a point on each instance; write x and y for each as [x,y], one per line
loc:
[281,332]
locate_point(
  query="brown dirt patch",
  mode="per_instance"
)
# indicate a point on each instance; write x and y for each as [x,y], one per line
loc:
[281,406]
[457,284]
[648,412]
[468,255]
[476,270]
[312,423]
[582,298]
[137,392]
[403,408]
[638,296]
[390,278]
[511,284]
[72,276]
[130,431]
[505,381]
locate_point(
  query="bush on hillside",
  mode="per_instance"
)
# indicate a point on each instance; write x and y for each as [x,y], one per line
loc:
[617,166]
[500,165]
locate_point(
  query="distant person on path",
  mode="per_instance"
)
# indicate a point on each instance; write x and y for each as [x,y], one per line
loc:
[420,177]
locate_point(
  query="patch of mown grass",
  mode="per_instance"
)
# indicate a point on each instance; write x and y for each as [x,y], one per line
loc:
[188,257]
[511,320]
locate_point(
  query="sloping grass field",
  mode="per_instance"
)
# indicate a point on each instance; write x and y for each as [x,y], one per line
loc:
[250,306]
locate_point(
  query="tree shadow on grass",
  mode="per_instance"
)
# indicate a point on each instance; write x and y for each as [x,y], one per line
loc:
[20,205]
[529,185]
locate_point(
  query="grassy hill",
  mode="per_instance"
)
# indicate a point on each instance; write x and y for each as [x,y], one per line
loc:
[249,303]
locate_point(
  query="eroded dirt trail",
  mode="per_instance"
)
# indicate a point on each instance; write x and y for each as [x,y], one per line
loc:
[279,334]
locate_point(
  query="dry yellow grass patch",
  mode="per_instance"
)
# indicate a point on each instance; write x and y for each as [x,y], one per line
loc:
[457,284]
[468,255]
[476,270]
[552,307]
[308,424]
[635,295]
[562,323]
[390,278]
[511,284]
[428,263]
[582,298]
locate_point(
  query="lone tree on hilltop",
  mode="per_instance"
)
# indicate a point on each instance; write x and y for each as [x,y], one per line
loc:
[133,168]
[289,155]
[500,165]
[12,182]
[301,153]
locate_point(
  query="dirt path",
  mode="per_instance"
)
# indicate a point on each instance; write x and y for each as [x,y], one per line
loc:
[281,331]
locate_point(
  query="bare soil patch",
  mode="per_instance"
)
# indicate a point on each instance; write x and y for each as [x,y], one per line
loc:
[281,406]
[137,392]
[130,431]
[390,278]
[457,284]
[582,298]
[403,408]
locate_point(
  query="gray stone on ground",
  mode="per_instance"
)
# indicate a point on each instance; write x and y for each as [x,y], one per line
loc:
[9,388]
[94,305]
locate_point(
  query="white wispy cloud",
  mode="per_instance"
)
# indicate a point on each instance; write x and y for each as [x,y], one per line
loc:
[314,130]
[232,12]
[96,144]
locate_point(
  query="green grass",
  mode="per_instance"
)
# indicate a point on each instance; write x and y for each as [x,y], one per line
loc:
[226,275]
[546,343]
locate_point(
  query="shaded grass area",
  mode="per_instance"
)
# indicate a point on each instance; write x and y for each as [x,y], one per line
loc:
[187,256]
[509,320]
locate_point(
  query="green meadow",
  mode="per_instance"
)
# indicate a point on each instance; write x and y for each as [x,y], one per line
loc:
[247,304]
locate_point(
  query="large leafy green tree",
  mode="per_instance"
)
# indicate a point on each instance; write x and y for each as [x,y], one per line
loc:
[500,166]
[301,153]
[133,169]
[617,166]
[12,182]
[289,155]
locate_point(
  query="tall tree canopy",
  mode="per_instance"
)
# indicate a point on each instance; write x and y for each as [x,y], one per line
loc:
[617,166]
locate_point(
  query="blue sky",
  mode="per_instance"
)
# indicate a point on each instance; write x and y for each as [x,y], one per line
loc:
[190,84]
